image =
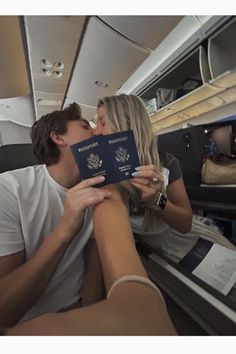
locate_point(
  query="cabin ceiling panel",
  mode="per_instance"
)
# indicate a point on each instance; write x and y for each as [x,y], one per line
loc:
[46,96]
[47,102]
[50,84]
[19,110]
[104,56]
[65,28]
[88,112]
[147,31]
[43,110]
[55,39]
[52,50]
[14,79]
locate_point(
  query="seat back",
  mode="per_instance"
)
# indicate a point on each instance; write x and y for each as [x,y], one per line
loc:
[16,156]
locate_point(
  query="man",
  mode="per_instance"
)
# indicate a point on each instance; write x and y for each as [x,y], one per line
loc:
[45,223]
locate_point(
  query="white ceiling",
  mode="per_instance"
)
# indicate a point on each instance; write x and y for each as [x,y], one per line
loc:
[56,39]
[104,56]
[108,49]
[122,53]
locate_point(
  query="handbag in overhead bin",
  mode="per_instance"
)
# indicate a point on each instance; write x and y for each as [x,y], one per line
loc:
[220,169]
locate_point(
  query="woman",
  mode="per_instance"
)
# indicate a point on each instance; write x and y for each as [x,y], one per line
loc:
[157,185]
[134,306]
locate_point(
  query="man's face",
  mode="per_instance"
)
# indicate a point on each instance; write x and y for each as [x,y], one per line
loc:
[77,131]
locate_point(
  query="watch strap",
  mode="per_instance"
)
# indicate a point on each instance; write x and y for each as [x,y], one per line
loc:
[160,202]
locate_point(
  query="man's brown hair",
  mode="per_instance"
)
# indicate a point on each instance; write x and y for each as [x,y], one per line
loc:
[45,150]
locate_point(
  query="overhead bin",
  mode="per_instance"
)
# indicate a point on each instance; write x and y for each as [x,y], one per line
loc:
[221,98]
[222,50]
[13,63]
[192,67]
[226,80]
[132,27]
[211,64]
[117,59]
[171,50]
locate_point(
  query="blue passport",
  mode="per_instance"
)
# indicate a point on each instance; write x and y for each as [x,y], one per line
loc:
[114,155]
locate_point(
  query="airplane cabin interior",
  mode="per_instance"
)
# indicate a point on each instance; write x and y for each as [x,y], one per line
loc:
[184,70]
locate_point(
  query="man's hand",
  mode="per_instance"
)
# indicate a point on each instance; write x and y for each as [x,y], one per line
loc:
[78,199]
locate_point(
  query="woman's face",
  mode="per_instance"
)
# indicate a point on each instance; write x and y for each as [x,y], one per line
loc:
[102,125]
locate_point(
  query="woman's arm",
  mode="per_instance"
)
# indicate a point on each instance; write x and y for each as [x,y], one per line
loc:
[114,239]
[132,308]
[178,211]
[93,285]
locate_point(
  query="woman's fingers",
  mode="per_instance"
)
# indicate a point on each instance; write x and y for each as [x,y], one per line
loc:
[149,181]
[149,172]
[140,185]
[145,167]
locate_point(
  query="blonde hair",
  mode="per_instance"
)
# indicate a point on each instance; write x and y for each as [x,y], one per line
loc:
[126,112]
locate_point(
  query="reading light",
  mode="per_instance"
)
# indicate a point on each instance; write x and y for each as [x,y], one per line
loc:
[47,68]
[56,73]
[46,72]
[101,84]
[46,63]
[58,65]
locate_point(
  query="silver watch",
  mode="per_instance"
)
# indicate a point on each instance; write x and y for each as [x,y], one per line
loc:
[160,203]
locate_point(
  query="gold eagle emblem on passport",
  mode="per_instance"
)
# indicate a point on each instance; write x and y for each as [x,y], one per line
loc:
[94,161]
[122,154]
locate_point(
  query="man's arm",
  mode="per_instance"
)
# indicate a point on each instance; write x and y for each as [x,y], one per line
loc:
[93,289]
[22,284]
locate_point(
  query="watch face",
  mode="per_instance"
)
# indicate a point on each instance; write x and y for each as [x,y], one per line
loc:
[162,202]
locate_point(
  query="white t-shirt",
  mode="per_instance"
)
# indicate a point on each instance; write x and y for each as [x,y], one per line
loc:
[31,205]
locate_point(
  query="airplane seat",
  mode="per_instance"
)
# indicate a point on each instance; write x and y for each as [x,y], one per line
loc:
[188,145]
[16,156]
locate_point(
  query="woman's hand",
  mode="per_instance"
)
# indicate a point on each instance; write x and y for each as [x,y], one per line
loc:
[149,181]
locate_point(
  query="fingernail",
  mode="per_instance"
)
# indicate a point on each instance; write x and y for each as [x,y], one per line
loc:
[134,174]
[137,168]
[102,177]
